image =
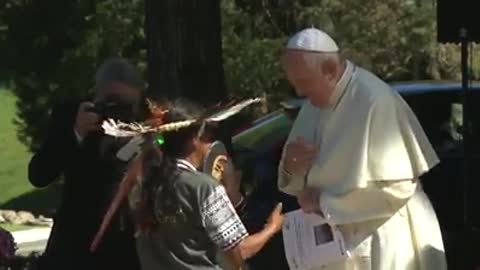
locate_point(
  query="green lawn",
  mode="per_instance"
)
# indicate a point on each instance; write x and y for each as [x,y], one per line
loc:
[13,228]
[14,155]
[15,190]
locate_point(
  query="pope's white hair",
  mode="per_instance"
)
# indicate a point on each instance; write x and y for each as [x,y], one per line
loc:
[314,60]
[118,70]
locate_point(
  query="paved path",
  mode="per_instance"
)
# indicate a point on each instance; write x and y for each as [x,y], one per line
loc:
[33,240]
[26,249]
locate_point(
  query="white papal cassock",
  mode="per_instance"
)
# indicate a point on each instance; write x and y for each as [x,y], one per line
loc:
[372,151]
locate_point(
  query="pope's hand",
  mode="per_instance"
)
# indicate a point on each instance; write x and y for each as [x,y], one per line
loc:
[309,201]
[299,156]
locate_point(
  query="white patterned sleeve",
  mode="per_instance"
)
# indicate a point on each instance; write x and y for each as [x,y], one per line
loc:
[220,220]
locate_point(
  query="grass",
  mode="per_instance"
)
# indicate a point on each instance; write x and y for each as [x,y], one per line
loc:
[15,190]
[13,227]
[15,156]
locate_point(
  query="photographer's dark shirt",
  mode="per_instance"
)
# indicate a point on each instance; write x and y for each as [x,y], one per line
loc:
[89,182]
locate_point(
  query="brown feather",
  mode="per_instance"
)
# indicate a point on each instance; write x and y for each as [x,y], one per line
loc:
[124,189]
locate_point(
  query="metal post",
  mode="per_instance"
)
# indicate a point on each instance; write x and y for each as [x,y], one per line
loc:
[464,68]
[467,162]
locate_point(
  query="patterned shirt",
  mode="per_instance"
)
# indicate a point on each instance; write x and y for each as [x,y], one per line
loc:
[220,220]
[190,239]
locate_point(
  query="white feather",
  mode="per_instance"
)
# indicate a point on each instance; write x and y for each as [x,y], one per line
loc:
[120,129]
[220,116]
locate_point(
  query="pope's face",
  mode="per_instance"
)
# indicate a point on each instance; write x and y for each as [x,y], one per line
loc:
[308,82]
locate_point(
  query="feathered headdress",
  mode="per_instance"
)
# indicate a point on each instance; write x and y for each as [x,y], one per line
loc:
[156,124]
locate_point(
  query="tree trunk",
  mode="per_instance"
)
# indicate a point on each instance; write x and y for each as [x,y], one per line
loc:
[417,56]
[184,49]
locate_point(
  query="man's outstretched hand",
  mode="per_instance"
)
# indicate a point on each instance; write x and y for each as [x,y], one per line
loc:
[275,220]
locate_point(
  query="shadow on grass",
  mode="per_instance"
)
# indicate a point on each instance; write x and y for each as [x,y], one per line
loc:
[42,201]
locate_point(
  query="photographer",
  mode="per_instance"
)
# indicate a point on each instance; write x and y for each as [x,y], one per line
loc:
[91,165]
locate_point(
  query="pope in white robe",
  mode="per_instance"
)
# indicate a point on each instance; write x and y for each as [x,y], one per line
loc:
[355,155]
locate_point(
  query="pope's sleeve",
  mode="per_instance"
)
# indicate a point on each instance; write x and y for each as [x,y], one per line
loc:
[389,182]
[380,199]
[287,182]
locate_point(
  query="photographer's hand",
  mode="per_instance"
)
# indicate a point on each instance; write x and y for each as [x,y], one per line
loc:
[86,121]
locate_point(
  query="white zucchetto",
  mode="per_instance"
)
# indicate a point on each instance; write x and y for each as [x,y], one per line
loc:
[312,39]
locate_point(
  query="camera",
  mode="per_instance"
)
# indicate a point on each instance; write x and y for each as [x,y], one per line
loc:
[114,108]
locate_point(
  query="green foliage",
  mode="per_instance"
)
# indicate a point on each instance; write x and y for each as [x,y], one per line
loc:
[395,39]
[385,36]
[251,57]
[254,32]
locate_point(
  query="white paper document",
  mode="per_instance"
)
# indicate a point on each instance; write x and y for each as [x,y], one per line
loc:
[310,242]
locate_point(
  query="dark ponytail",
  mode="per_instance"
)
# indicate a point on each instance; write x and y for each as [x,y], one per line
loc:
[159,167]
